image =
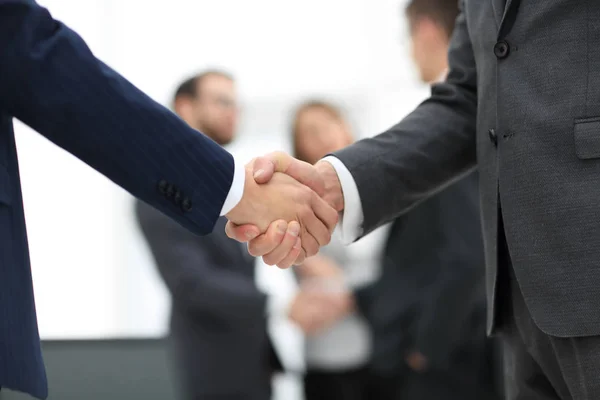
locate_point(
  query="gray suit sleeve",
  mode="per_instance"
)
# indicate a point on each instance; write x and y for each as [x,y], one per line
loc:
[432,147]
[187,265]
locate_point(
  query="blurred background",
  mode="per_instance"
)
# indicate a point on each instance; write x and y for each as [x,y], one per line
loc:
[94,277]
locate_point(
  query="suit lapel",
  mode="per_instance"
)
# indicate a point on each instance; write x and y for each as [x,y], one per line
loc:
[499,6]
[501,11]
[509,3]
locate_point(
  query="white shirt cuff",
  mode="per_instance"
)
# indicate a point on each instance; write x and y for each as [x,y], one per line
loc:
[278,305]
[236,191]
[351,219]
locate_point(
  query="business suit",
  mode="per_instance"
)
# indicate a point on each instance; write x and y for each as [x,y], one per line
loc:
[50,80]
[532,131]
[431,298]
[218,315]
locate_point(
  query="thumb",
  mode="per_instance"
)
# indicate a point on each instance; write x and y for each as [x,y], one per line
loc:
[263,169]
[303,172]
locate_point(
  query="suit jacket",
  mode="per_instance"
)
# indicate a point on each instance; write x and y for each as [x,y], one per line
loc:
[431,293]
[50,80]
[218,315]
[521,101]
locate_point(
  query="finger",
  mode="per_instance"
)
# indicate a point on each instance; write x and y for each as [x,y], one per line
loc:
[301,256]
[263,169]
[324,212]
[241,233]
[293,255]
[310,245]
[285,247]
[278,161]
[319,233]
[267,242]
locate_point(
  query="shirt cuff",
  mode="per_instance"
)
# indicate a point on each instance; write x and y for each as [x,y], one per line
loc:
[351,219]
[278,305]
[236,191]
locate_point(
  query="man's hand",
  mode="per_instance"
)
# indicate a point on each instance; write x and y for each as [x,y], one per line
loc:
[322,281]
[284,198]
[320,267]
[416,361]
[321,177]
[314,311]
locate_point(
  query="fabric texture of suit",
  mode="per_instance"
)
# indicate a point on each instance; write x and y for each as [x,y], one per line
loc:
[218,315]
[523,98]
[522,101]
[431,297]
[50,80]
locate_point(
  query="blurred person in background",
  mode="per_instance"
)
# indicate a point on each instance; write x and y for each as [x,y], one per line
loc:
[337,354]
[428,310]
[430,24]
[219,316]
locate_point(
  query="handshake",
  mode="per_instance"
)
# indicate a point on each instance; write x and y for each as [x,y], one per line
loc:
[289,209]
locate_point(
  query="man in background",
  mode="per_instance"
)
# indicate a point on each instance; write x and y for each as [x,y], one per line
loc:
[428,309]
[430,24]
[219,316]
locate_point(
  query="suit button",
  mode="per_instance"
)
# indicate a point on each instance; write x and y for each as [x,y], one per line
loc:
[493,136]
[162,186]
[186,205]
[170,191]
[501,49]
[177,197]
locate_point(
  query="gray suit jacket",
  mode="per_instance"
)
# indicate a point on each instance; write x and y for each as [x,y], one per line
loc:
[218,318]
[522,102]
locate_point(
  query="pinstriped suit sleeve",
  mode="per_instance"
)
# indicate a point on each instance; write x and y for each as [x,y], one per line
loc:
[50,80]
[431,148]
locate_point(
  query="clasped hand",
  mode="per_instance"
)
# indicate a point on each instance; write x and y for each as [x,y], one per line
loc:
[323,299]
[289,209]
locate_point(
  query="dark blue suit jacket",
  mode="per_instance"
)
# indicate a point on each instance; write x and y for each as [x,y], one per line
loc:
[50,80]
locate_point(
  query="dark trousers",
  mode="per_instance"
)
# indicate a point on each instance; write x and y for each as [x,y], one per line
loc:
[429,385]
[434,385]
[352,384]
[539,366]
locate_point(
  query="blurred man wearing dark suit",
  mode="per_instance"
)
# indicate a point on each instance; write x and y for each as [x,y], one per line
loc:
[428,309]
[218,316]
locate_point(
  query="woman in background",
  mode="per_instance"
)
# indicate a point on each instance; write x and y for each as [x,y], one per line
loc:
[337,356]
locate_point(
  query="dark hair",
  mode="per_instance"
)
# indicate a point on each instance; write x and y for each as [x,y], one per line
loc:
[443,12]
[305,106]
[189,87]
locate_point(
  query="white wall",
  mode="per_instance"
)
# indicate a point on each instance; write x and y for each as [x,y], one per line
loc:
[92,273]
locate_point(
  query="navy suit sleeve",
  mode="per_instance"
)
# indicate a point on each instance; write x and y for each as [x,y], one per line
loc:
[198,281]
[50,80]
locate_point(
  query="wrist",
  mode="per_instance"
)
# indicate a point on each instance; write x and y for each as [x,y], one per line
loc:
[333,187]
[247,209]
